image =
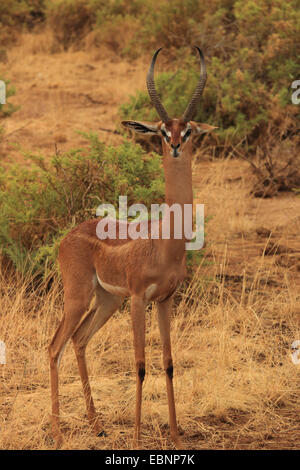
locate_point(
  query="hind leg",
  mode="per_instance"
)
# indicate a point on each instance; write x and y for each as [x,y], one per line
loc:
[164,313]
[106,305]
[77,299]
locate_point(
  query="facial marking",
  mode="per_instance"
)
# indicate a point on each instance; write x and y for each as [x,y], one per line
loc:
[175,135]
[175,152]
[185,134]
[165,133]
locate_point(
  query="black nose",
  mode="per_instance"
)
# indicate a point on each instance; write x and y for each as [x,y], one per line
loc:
[175,150]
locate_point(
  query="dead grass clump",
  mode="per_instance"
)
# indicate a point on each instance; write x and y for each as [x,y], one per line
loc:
[70,21]
[234,378]
[16,16]
[277,168]
[115,35]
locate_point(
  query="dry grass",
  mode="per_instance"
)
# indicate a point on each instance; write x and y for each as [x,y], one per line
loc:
[235,384]
[59,94]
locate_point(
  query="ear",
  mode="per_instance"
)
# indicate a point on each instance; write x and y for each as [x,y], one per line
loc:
[148,128]
[200,128]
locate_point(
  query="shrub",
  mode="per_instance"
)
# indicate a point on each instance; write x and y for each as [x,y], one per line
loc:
[114,22]
[41,203]
[116,32]
[251,52]
[16,15]
[172,25]
[276,167]
[70,21]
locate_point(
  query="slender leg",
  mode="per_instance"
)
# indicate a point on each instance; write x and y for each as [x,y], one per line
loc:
[164,313]
[138,325]
[106,305]
[74,309]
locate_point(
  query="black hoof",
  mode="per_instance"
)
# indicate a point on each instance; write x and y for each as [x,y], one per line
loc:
[102,434]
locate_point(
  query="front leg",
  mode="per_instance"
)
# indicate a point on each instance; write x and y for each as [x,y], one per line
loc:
[164,314]
[138,325]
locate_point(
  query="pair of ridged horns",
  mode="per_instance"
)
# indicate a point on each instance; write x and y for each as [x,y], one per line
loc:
[192,107]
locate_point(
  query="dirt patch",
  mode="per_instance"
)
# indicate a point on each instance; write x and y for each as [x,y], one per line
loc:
[60,94]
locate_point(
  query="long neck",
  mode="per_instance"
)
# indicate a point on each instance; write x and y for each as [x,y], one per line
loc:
[178,190]
[178,181]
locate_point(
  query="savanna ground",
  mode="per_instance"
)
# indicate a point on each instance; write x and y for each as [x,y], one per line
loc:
[236,386]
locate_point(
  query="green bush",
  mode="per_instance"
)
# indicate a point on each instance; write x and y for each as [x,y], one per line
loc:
[40,203]
[251,51]
[173,25]
[114,22]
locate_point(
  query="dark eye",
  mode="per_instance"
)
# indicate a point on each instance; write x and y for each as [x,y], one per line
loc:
[186,135]
[165,135]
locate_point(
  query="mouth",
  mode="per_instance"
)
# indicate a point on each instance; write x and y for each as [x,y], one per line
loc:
[175,153]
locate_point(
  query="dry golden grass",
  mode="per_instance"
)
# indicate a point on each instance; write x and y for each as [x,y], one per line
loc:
[59,94]
[235,383]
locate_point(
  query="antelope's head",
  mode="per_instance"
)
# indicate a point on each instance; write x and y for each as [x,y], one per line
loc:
[176,134]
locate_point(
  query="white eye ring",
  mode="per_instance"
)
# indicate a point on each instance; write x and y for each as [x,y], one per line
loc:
[185,135]
[165,135]
[188,128]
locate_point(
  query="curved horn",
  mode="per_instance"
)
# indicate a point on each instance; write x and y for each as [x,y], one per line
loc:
[191,109]
[152,90]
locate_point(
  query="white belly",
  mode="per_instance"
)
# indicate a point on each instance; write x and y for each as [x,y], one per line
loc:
[115,290]
[150,291]
[123,291]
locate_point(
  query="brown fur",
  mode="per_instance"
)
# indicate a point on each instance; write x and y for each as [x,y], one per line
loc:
[145,270]
[175,126]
